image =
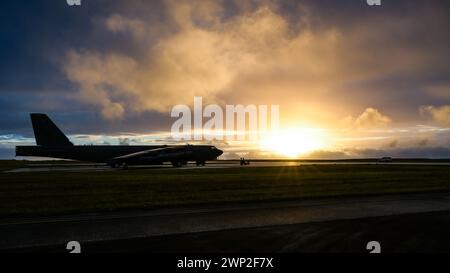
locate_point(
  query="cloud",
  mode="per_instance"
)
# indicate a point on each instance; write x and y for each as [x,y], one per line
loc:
[393,144]
[120,24]
[370,118]
[133,60]
[124,141]
[249,56]
[440,115]
[252,53]
[440,91]
[423,142]
[173,72]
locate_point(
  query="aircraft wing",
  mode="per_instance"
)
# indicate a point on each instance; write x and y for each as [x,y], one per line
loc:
[156,155]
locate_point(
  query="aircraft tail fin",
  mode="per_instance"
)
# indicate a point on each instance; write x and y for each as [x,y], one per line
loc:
[46,132]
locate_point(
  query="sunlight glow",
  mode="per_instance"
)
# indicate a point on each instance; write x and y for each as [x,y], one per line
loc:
[293,142]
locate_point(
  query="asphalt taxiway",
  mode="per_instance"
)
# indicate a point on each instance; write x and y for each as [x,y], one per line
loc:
[41,232]
[88,167]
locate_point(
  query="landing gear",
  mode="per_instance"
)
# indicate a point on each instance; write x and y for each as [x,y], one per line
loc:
[176,164]
[200,163]
[115,165]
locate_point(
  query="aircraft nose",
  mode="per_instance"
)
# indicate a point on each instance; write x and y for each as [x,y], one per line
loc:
[219,152]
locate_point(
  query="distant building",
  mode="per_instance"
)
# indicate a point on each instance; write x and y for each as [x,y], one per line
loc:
[385,159]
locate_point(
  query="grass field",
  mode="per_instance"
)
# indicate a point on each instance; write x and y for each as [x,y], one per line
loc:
[48,193]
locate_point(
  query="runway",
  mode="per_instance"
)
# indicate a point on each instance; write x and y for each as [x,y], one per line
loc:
[51,231]
[90,167]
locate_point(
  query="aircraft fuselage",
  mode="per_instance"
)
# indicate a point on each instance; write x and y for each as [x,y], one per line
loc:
[105,153]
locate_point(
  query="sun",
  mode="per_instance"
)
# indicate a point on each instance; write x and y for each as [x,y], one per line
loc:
[293,142]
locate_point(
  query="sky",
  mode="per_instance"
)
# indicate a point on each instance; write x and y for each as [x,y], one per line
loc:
[351,80]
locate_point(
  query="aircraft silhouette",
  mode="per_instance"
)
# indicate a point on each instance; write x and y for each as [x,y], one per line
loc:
[51,142]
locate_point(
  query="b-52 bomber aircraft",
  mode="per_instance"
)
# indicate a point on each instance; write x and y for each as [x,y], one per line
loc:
[51,142]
